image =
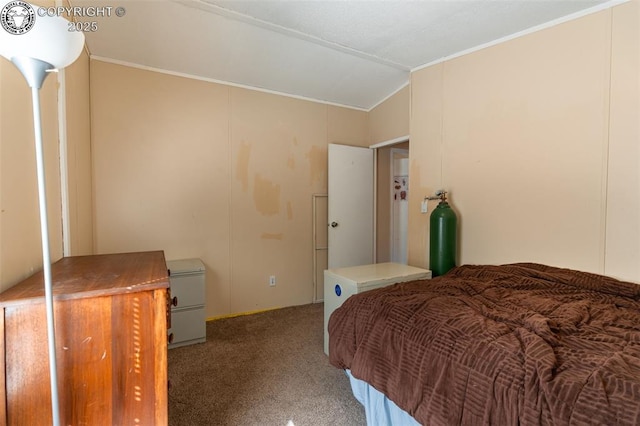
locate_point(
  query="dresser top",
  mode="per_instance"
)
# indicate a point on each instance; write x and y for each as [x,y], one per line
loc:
[93,276]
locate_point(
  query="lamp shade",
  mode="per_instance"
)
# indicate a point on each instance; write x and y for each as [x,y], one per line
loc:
[24,33]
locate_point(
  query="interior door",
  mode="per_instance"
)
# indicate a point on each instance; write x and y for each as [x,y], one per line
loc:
[350,206]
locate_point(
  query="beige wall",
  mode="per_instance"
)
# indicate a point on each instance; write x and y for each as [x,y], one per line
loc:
[20,244]
[424,157]
[347,126]
[519,134]
[622,249]
[390,119]
[78,122]
[223,174]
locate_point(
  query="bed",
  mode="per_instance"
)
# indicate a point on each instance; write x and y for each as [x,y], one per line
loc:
[518,344]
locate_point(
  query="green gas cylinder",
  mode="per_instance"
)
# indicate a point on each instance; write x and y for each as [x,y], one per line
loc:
[442,241]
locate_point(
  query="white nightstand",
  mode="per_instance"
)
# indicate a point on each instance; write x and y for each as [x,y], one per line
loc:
[341,283]
[187,279]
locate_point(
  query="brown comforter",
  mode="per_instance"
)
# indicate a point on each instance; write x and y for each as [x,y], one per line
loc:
[504,345]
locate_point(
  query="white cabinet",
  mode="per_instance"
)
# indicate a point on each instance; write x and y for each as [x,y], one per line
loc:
[187,281]
[341,283]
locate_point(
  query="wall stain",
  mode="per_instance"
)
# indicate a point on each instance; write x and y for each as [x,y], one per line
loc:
[242,165]
[291,162]
[317,157]
[289,210]
[268,236]
[266,196]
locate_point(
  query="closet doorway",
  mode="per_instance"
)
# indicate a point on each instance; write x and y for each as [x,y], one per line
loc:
[399,204]
[392,201]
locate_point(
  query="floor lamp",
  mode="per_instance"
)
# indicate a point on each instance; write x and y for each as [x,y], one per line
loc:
[37,45]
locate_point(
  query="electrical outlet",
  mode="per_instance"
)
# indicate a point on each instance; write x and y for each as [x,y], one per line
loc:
[272,281]
[423,206]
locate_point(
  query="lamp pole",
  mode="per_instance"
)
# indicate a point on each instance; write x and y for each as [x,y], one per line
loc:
[35,71]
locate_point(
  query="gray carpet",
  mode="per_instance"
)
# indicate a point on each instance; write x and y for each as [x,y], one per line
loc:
[263,369]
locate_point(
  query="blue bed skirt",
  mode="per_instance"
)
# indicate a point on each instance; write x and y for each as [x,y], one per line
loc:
[379,409]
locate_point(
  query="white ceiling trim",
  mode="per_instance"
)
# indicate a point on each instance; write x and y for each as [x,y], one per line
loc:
[553,23]
[390,142]
[231,14]
[225,83]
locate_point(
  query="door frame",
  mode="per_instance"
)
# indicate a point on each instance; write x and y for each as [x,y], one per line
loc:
[384,144]
[392,230]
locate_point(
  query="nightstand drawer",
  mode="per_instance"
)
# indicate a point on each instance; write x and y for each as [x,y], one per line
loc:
[188,289]
[188,326]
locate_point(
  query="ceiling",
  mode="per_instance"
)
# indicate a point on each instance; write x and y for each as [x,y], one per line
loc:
[351,53]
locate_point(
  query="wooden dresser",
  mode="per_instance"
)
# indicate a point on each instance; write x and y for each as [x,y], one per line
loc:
[111,315]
